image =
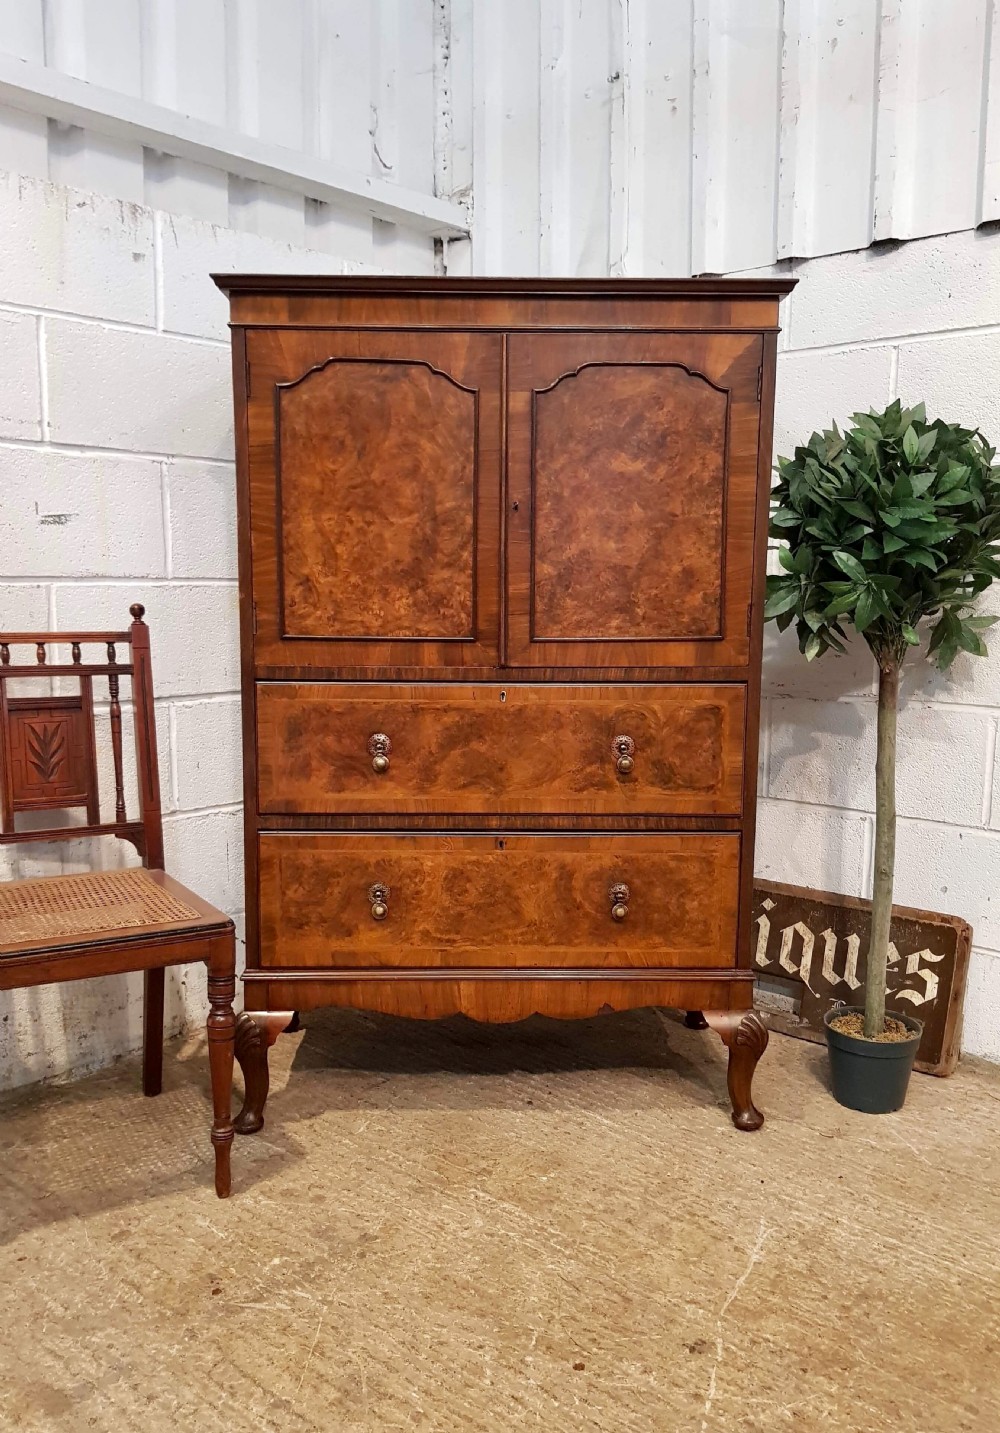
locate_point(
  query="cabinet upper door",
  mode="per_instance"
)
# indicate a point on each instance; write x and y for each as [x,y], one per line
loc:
[632,494]
[374,497]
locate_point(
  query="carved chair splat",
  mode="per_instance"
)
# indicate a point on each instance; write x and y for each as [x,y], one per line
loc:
[56,928]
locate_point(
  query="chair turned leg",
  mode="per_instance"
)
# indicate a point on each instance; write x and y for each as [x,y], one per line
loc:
[256,1032]
[152,1032]
[221,1049]
[745,1035]
[695,1020]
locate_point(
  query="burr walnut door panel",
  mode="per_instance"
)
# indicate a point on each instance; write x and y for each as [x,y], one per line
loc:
[632,481]
[469,749]
[374,497]
[346,902]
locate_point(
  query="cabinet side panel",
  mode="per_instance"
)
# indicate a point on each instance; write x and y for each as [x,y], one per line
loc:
[247,682]
[750,751]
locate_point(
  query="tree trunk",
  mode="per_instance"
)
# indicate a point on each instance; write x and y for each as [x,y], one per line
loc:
[885,845]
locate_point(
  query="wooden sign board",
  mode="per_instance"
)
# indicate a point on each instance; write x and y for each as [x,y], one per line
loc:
[809,955]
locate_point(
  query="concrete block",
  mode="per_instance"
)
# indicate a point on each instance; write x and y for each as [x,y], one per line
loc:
[191,250]
[981,1025]
[146,392]
[38,858]
[815,389]
[20,391]
[403,251]
[955,871]
[264,209]
[958,378]
[24,607]
[187,996]
[926,286]
[24,140]
[48,1030]
[349,235]
[97,163]
[201,500]
[807,846]
[975,680]
[787,673]
[194,630]
[97,853]
[208,749]
[941,763]
[70,516]
[183,186]
[74,251]
[824,753]
[205,853]
[105,760]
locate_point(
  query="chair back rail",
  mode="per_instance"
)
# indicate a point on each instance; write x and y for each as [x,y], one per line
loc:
[42,639]
[48,744]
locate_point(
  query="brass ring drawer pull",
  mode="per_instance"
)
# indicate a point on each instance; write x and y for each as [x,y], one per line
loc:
[378,895]
[379,747]
[619,896]
[623,748]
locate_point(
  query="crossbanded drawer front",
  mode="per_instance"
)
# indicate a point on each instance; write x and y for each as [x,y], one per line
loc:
[404,901]
[657,750]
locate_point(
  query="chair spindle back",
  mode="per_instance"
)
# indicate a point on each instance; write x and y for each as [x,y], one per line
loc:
[48,744]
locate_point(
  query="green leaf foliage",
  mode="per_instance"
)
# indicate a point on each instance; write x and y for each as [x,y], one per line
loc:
[892,523]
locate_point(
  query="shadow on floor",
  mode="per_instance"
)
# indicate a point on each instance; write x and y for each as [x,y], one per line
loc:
[487,1058]
[136,1149]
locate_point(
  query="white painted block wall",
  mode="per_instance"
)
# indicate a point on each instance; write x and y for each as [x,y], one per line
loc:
[116,486]
[921,321]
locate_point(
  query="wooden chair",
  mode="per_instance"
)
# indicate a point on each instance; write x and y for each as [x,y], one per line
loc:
[73,927]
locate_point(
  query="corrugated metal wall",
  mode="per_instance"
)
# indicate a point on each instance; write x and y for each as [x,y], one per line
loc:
[349,82]
[689,136]
[597,136]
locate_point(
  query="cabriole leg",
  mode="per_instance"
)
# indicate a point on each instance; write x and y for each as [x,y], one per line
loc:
[745,1035]
[221,1048]
[256,1032]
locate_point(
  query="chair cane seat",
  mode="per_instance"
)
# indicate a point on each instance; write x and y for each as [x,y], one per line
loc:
[47,907]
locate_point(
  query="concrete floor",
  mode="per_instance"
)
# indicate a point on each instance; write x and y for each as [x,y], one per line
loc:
[545,1226]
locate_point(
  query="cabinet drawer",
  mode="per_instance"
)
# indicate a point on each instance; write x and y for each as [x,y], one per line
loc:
[517,901]
[471,748]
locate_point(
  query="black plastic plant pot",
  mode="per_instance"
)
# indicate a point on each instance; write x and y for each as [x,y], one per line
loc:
[868,1075]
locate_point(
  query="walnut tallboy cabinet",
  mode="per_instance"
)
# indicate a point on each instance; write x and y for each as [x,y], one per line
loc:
[502,549]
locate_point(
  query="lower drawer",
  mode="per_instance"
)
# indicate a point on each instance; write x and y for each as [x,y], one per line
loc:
[333,901]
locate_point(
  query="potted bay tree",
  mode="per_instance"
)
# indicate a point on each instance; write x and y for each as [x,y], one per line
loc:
[891,528]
